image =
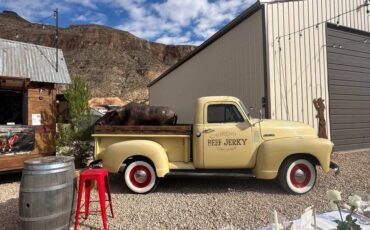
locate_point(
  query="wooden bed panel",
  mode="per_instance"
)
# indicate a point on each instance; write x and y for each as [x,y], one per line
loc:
[175,130]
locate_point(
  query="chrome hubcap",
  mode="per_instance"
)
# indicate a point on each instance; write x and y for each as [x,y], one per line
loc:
[300,176]
[140,176]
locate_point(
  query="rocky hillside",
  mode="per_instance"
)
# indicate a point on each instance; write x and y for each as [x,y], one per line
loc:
[114,62]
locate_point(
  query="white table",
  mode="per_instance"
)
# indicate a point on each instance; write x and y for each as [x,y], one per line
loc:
[329,217]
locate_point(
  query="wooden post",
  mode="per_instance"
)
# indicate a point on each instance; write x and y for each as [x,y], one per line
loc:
[56,15]
[320,107]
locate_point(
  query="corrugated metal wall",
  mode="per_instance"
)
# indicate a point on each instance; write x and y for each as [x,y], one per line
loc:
[297,53]
[232,65]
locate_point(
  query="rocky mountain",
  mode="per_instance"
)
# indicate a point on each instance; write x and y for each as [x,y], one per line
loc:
[114,62]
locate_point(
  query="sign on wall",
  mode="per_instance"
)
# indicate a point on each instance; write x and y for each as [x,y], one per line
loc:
[36,119]
[16,140]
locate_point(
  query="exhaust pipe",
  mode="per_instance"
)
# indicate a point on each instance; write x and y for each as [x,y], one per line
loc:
[335,168]
[96,164]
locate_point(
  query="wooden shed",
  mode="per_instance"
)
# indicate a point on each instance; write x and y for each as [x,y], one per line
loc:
[28,77]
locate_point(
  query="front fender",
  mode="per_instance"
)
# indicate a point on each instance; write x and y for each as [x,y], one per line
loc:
[117,153]
[273,152]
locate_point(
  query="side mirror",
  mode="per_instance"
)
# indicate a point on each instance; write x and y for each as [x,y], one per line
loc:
[250,111]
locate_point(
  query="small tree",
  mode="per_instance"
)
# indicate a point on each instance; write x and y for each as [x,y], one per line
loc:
[77,95]
[76,137]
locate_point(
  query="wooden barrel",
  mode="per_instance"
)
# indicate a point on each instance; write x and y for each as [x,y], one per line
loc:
[47,193]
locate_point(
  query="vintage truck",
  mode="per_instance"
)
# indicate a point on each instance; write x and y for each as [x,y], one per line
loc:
[224,139]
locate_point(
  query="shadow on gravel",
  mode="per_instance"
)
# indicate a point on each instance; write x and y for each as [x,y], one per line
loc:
[9,214]
[202,185]
[199,185]
[10,177]
[84,223]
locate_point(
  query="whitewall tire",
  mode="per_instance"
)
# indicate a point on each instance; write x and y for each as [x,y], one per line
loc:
[140,177]
[297,175]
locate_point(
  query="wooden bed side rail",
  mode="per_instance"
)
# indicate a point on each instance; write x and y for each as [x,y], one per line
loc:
[116,129]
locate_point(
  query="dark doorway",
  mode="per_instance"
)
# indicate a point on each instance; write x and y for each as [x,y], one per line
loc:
[11,106]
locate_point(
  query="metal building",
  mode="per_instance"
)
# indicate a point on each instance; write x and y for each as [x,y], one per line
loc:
[281,55]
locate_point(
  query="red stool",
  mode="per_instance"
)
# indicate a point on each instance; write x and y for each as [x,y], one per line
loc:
[101,176]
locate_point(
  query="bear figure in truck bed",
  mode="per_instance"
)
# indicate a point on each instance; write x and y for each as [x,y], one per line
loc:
[139,114]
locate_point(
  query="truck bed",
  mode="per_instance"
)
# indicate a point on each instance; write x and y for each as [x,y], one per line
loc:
[150,130]
[176,139]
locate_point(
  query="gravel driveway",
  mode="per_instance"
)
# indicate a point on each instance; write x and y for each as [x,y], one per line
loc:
[207,203]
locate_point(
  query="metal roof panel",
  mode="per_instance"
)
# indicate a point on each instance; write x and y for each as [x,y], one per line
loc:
[26,60]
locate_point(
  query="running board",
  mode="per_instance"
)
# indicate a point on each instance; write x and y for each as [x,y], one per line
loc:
[211,173]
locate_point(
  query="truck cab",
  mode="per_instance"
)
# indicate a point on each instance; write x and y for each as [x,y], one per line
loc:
[223,134]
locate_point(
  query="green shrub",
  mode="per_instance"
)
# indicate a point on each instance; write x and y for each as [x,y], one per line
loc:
[74,139]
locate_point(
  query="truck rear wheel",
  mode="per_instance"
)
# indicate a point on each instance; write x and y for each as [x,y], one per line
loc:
[140,177]
[297,175]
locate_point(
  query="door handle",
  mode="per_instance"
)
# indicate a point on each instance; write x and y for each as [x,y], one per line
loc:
[208,130]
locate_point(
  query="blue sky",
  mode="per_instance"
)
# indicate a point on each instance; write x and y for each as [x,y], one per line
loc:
[164,21]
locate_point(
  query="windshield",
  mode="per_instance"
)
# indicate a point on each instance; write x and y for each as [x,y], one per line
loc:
[244,108]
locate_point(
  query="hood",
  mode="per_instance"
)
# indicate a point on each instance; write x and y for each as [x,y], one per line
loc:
[273,129]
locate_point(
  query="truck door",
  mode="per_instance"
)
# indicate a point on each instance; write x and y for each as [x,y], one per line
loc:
[227,137]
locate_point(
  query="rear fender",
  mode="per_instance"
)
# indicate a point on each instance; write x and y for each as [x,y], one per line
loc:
[117,153]
[272,153]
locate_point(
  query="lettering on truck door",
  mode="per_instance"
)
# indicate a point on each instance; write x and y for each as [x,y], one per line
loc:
[227,137]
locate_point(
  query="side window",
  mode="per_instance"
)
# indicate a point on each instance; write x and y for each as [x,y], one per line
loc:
[223,113]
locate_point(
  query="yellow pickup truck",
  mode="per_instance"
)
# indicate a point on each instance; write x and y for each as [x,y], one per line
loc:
[224,139]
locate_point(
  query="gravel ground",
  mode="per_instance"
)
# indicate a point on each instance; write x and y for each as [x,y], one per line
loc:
[206,203]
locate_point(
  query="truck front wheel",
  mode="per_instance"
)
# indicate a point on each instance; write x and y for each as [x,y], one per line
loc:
[297,175]
[140,177]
